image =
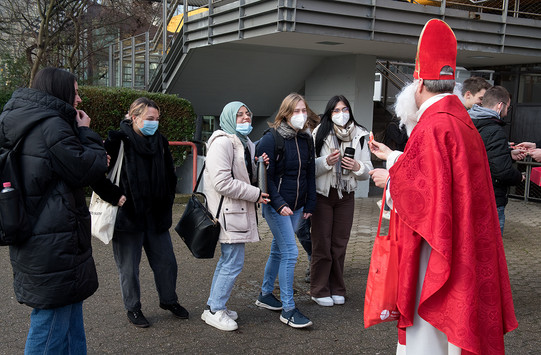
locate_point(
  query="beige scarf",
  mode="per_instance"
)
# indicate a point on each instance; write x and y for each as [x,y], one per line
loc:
[345,135]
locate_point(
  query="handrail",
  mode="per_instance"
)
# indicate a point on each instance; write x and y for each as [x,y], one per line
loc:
[390,75]
[194,160]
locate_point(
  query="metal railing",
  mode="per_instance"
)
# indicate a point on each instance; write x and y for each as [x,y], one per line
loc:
[390,75]
[132,62]
[511,8]
[527,190]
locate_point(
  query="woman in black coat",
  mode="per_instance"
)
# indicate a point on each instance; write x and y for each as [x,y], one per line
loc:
[145,196]
[53,271]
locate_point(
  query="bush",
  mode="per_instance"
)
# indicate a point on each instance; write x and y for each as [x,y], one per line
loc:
[108,106]
[5,95]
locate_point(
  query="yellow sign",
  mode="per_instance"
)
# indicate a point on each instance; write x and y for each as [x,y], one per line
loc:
[426,2]
[176,23]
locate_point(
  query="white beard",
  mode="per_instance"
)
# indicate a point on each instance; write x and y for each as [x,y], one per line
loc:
[405,107]
[458,92]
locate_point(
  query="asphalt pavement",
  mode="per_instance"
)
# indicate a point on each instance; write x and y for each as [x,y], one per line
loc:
[336,330]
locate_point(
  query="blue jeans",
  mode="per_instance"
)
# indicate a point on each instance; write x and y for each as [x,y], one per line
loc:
[501,217]
[57,331]
[283,254]
[227,270]
[127,250]
[303,234]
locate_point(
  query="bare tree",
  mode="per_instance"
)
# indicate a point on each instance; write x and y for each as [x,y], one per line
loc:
[68,33]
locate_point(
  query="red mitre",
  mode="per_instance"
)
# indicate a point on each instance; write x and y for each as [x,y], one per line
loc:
[436,49]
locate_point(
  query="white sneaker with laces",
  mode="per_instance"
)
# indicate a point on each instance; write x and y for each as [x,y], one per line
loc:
[219,320]
[232,314]
[323,301]
[338,299]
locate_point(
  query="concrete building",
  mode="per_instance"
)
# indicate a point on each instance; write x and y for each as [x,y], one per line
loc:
[260,51]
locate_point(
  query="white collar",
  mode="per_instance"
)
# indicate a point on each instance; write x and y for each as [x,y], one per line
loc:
[429,103]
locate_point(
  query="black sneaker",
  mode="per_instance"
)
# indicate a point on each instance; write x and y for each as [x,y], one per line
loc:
[295,319]
[138,319]
[268,302]
[177,310]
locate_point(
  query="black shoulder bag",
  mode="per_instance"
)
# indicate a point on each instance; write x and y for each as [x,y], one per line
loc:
[197,227]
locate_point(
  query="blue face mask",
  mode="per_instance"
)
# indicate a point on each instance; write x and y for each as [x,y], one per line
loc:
[149,127]
[244,128]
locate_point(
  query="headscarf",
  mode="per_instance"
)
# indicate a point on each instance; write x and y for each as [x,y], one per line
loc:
[228,120]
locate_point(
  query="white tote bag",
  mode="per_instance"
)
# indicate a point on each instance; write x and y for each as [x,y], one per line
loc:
[103,214]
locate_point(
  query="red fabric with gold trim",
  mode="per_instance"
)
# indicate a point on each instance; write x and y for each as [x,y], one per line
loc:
[436,49]
[442,191]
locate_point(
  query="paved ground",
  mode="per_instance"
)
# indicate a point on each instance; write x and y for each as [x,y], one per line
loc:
[336,329]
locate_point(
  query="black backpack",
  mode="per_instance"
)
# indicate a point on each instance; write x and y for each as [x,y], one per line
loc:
[14,223]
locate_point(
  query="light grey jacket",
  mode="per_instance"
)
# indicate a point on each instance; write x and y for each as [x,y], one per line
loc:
[225,159]
[362,155]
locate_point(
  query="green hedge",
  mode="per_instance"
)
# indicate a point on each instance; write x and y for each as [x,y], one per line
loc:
[108,106]
[4,97]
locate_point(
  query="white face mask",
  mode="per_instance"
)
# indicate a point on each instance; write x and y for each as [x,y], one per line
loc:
[298,121]
[340,119]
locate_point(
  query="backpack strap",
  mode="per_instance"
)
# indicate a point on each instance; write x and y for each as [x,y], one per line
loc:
[279,151]
[279,144]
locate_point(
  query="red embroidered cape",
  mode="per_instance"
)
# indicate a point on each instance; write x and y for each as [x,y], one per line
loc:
[442,191]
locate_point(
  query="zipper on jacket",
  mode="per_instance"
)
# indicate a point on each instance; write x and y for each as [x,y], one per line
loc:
[279,184]
[298,173]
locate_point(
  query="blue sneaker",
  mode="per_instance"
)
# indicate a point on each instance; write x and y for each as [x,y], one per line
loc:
[268,302]
[295,319]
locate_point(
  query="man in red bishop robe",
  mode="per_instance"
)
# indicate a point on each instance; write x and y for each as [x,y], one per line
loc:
[454,293]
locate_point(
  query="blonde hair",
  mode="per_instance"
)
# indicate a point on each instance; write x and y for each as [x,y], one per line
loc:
[140,106]
[286,109]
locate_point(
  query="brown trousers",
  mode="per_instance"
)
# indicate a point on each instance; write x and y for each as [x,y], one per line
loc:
[331,226]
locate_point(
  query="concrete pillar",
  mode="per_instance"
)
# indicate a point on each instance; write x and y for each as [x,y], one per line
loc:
[351,76]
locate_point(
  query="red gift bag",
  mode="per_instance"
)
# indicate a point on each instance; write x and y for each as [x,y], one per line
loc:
[382,284]
[535,176]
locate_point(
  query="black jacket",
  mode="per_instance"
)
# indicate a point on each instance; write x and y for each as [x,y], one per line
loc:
[503,173]
[291,180]
[54,267]
[139,212]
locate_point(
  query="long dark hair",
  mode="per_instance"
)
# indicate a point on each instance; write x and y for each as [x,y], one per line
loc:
[326,120]
[57,82]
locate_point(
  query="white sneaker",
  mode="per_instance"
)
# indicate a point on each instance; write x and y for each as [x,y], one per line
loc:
[219,320]
[323,301]
[338,299]
[232,314]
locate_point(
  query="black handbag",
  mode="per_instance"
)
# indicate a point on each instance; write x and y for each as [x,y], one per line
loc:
[197,227]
